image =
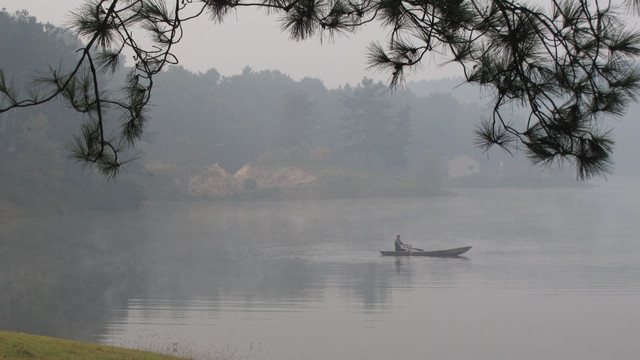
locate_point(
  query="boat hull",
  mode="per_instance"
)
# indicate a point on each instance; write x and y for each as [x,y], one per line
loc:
[439,253]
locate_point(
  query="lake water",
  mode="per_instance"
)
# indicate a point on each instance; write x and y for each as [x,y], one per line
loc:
[553,274]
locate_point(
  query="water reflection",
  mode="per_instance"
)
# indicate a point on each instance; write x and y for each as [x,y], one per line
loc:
[62,278]
[306,277]
[53,282]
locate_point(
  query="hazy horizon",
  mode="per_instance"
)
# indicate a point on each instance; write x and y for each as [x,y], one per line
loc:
[250,37]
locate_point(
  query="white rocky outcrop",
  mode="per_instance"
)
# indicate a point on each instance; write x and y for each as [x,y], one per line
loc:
[214,181]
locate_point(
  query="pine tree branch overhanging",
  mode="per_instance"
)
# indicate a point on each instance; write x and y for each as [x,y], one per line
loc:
[569,66]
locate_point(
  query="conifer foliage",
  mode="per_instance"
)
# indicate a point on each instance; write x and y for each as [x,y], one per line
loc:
[569,64]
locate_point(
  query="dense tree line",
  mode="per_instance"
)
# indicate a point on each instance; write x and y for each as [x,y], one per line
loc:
[35,168]
[206,118]
[568,65]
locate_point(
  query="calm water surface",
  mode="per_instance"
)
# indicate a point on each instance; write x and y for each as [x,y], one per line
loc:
[553,274]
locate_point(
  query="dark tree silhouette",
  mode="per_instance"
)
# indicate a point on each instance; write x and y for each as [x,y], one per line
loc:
[373,127]
[296,124]
[568,65]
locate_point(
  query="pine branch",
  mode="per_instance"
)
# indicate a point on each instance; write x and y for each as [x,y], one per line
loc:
[569,67]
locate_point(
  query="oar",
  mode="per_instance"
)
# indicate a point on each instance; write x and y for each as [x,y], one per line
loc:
[416,249]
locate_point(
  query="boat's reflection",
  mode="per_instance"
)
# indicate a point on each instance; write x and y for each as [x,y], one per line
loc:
[400,261]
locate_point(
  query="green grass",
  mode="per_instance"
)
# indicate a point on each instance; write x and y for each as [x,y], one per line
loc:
[22,346]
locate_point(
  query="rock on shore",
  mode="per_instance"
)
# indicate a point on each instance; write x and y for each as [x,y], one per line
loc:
[214,181]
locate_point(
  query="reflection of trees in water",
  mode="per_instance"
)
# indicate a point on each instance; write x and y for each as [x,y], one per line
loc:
[61,276]
[368,283]
[199,274]
[61,288]
[278,282]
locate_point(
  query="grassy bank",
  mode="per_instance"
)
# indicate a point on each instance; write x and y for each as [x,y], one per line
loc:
[22,346]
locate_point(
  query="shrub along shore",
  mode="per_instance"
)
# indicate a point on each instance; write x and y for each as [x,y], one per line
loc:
[23,346]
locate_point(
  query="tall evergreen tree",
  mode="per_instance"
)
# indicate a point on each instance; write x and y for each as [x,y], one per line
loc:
[399,138]
[297,123]
[372,127]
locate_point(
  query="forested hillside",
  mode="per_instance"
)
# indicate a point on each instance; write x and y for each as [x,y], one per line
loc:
[36,173]
[206,128]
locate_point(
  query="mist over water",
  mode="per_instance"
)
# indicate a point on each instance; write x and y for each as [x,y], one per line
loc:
[553,274]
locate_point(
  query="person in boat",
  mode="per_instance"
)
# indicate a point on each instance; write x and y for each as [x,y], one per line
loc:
[400,246]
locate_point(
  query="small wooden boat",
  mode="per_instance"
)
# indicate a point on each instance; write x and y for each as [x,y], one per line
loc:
[438,253]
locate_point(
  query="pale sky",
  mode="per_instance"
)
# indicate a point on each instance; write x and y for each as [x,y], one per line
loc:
[252,38]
